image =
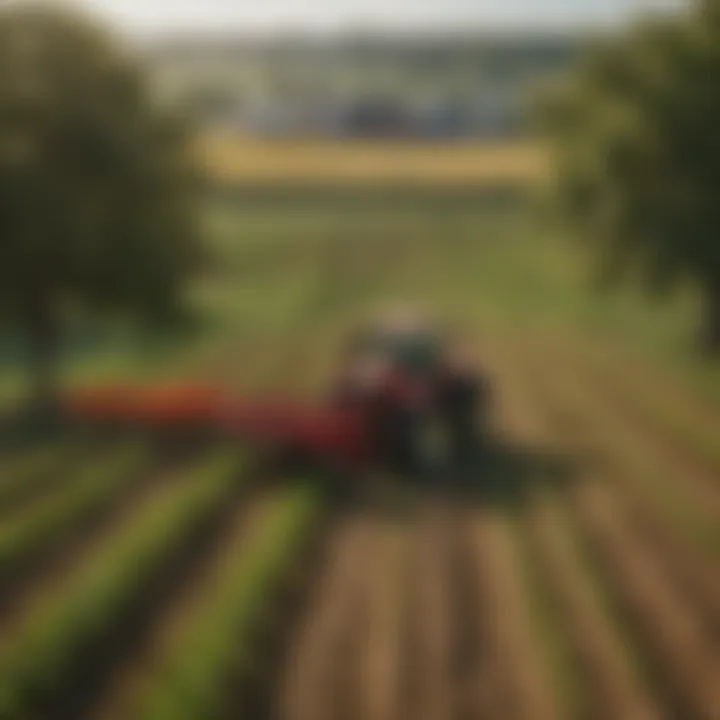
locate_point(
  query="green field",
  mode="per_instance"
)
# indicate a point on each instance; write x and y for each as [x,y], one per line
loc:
[491,256]
[137,583]
[309,257]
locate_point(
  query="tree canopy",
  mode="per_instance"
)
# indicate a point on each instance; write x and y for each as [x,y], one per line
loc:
[98,185]
[637,153]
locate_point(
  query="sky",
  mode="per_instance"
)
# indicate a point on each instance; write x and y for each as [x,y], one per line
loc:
[152,16]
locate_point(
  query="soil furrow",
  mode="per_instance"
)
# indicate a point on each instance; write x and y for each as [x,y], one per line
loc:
[311,684]
[609,688]
[519,686]
[695,575]
[652,444]
[144,658]
[435,693]
[673,632]
[612,689]
[674,413]
[380,681]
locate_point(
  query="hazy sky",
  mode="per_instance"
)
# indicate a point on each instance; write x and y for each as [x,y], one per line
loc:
[154,15]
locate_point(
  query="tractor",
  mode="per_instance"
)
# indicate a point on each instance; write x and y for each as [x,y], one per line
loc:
[422,397]
[404,398]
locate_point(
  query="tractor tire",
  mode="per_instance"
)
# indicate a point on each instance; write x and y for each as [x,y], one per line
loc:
[462,408]
[401,444]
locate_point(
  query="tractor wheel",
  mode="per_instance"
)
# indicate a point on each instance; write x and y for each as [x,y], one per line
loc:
[404,446]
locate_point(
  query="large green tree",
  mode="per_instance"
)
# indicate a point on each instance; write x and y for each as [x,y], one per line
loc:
[637,144]
[98,186]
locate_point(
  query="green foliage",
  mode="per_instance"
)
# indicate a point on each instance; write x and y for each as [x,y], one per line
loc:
[638,156]
[193,685]
[98,184]
[53,638]
[26,534]
[32,471]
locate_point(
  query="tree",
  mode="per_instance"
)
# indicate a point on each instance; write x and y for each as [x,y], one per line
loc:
[634,129]
[98,186]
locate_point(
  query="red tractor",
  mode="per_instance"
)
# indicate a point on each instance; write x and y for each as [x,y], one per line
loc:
[421,396]
[400,394]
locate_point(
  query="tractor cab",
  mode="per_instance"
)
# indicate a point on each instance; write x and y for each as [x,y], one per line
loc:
[408,343]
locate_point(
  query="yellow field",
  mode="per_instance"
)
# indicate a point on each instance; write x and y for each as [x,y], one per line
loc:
[234,158]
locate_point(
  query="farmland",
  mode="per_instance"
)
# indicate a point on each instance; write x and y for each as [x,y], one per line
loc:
[234,158]
[571,573]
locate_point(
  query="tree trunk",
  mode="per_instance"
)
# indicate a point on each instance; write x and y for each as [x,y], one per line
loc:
[710,329]
[43,356]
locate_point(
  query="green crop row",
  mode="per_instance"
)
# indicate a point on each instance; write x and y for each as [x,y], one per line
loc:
[218,643]
[25,476]
[25,535]
[56,639]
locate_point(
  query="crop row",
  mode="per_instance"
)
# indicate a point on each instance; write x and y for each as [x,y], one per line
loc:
[662,620]
[519,677]
[660,503]
[669,411]
[586,415]
[59,639]
[24,536]
[668,447]
[638,576]
[636,486]
[565,618]
[656,614]
[29,473]
[609,680]
[219,643]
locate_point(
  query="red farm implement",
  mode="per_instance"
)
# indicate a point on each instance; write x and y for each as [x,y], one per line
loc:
[331,433]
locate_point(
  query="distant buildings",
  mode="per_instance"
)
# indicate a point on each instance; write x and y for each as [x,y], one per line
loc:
[395,87]
[369,117]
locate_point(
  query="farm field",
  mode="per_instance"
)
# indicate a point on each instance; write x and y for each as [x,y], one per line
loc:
[571,572]
[233,158]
